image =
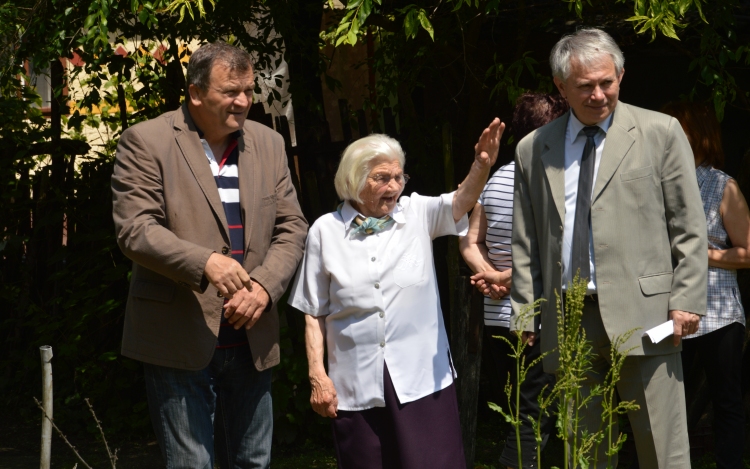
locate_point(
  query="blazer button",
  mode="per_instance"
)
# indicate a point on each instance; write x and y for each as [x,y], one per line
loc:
[225,250]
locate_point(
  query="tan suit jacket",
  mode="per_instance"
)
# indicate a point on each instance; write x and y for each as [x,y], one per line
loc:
[169,219]
[649,230]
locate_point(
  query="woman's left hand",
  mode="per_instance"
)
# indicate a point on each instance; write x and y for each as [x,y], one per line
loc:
[485,151]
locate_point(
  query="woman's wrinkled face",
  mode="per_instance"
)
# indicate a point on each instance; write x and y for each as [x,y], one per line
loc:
[382,188]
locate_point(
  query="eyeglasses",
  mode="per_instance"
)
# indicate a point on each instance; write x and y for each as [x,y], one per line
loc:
[385,179]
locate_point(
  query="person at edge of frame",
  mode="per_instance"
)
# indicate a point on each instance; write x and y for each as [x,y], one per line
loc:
[204,205]
[716,347]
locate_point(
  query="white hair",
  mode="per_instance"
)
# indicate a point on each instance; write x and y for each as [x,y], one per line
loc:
[587,46]
[355,163]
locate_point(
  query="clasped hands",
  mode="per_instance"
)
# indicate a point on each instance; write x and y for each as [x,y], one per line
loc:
[247,299]
[493,283]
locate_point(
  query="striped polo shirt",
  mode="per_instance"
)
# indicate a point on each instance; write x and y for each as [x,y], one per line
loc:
[497,200]
[227,181]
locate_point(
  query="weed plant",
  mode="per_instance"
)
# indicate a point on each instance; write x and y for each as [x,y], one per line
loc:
[570,392]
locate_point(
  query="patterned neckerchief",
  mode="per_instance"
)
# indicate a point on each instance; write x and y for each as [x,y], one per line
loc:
[367,226]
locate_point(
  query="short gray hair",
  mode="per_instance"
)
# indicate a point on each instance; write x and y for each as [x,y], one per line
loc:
[355,163]
[587,47]
[203,60]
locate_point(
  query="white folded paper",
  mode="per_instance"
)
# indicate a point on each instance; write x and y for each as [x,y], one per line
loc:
[660,332]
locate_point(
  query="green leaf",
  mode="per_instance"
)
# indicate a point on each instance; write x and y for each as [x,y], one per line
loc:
[364,11]
[90,20]
[355,28]
[353,4]
[411,24]
[426,25]
[342,27]
[351,37]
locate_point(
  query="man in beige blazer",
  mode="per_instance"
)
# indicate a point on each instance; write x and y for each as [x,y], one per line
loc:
[640,238]
[205,208]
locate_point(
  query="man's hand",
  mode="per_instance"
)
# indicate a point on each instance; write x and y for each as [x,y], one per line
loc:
[493,283]
[226,274]
[485,151]
[684,324]
[323,397]
[246,307]
[528,337]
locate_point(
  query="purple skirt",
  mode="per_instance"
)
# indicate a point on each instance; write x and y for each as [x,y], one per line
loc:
[422,434]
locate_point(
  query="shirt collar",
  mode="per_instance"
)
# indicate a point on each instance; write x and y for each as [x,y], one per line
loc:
[575,126]
[348,213]
[701,173]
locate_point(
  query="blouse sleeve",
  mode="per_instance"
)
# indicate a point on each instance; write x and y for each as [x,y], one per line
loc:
[437,215]
[310,293]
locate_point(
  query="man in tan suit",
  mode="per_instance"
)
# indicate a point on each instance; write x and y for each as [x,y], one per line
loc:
[205,208]
[609,190]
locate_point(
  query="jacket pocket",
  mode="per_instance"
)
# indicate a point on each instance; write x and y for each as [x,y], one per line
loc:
[656,283]
[636,174]
[161,292]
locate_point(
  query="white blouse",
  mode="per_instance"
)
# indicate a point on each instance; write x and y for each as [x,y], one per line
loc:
[380,299]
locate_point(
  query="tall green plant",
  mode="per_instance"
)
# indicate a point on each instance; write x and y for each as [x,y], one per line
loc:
[513,393]
[570,392]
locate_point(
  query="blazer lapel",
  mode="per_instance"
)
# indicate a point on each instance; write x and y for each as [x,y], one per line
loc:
[553,159]
[618,143]
[249,174]
[186,135]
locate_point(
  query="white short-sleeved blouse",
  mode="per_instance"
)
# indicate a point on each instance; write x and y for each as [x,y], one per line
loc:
[380,299]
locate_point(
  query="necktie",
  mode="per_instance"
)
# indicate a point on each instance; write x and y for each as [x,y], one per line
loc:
[579,258]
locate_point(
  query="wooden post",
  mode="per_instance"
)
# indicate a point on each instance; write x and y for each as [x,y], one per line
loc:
[46,352]
[467,325]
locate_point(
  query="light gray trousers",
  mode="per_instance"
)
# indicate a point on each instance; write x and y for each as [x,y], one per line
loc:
[655,383]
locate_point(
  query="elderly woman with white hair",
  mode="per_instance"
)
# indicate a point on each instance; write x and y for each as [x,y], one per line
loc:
[368,287]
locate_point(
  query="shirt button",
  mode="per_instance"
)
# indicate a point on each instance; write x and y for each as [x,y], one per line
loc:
[382,344]
[377,285]
[372,259]
[382,314]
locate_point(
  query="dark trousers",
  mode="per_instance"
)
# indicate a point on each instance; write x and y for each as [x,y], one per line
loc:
[422,434]
[536,380]
[719,355]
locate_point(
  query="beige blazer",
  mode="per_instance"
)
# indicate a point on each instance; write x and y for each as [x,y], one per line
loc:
[649,230]
[169,219]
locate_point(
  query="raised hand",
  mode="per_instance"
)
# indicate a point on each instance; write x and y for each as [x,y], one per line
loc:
[485,151]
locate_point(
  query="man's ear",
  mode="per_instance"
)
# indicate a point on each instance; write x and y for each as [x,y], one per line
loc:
[622,73]
[195,94]
[558,83]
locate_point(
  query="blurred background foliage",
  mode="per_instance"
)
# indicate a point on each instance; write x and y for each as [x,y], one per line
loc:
[444,67]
